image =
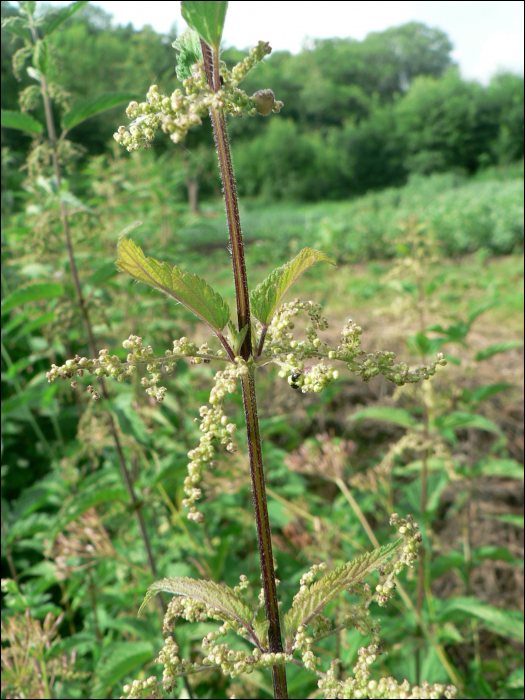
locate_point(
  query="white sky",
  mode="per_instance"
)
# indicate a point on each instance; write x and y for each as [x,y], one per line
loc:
[487,36]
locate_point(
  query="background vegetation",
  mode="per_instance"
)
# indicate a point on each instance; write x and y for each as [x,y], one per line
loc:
[410,177]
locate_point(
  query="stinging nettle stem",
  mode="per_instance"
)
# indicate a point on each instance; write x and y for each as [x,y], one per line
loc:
[248,381]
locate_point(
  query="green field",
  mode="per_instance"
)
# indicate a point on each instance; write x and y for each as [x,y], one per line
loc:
[70,534]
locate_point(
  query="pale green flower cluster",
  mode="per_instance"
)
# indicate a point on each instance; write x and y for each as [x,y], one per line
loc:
[361,686]
[283,349]
[106,365]
[234,662]
[280,347]
[178,113]
[215,427]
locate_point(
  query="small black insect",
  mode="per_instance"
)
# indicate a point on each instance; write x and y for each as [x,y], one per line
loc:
[296,375]
[221,80]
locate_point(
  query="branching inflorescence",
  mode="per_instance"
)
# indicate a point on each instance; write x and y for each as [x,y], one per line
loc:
[304,624]
[177,114]
[267,325]
[280,347]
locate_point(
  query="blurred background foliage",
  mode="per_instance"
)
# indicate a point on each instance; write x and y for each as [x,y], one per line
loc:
[412,179]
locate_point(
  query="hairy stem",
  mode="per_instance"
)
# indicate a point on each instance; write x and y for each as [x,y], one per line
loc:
[248,382]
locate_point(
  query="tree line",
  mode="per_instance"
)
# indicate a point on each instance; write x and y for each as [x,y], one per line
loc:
[358,115]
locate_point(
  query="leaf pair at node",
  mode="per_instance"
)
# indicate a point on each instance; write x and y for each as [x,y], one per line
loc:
[201,299]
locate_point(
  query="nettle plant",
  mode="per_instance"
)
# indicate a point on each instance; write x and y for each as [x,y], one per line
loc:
[265,333]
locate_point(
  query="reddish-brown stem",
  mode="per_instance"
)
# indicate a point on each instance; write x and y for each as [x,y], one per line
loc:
[248,381]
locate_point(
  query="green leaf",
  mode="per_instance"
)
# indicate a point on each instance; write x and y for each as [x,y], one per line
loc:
[312,601]
[41,57]
[54,19]
[423,345]
[190,52]
[491,552]
[30,396]
[481,393]
[33,325]
[398,416]
[128,420]
[123,658]
[506,468]
[236,338]
[104,273]
[35,74]
[190,290]
[478,310]
[33,292]
[267,296]
[508,623]
[459,420]
[21,121]
[84,501]
[222,598]
[206,18]
[515,680]
[66,196]
[87,108]
[433,464]
[497,348]
[17,25]
[516,520]
[442,564]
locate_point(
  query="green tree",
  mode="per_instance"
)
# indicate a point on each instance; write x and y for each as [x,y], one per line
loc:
[446,123]
[506,92]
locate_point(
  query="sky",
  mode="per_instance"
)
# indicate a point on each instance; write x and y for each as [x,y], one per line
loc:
[487,36]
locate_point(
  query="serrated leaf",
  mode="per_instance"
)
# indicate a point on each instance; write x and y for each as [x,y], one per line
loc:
[21,121]
[398,416]
[33,292]
[206,18]
[54,19]
[504,622]
[261,625]
[188,289]
[41,56]
[310,603]
[123,658]
[497,348]
[222,598]
[189,47]
[267,296]
[18,26]
[89,107]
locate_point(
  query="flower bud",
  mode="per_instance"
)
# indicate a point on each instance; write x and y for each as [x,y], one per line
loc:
[264,100]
